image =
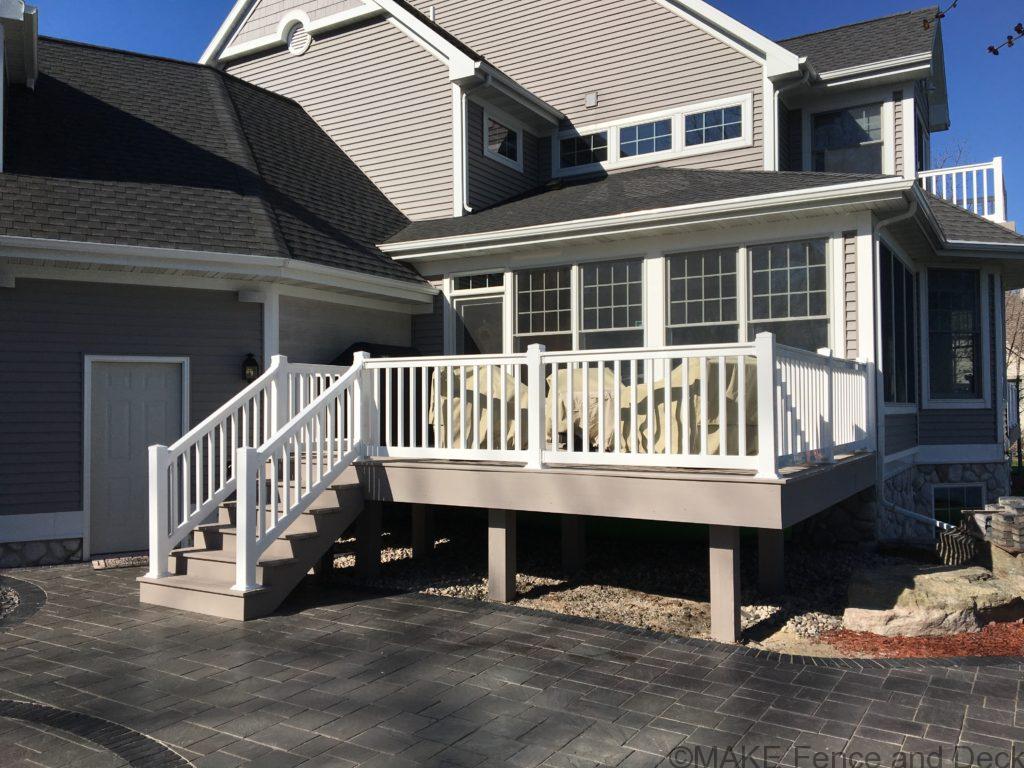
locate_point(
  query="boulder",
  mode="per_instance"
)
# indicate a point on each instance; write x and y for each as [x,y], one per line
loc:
[911,600]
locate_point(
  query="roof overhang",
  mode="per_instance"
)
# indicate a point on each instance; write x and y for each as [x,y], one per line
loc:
[20,30]
[112,257]
[880,195]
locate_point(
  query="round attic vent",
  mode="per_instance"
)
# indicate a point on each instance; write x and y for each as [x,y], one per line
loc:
[298,39]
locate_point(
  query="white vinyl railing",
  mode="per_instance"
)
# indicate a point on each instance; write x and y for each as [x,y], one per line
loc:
[980,188]
[191,478]
[282,477]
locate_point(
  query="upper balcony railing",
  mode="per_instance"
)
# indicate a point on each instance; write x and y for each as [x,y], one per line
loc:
[979,188]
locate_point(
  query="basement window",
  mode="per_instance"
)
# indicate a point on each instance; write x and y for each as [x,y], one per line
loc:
[951,500]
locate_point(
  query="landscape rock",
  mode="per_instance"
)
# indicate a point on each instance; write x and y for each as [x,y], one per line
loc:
[911,600]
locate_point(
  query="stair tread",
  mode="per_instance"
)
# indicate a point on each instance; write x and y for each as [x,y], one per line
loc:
[231,530]
[196,584]
[220,556]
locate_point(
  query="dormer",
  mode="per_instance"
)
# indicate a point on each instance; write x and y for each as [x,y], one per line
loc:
[19,33]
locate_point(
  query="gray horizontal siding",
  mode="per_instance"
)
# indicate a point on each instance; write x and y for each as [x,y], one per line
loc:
[900,432]
[899,138]
[491,182]
[47,328]
[428,329]
[637,55]
[958,426]
[263,19]
[850,294]
[318,331]
[383,99]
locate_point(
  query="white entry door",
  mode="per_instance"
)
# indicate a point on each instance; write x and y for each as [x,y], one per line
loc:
[134,404]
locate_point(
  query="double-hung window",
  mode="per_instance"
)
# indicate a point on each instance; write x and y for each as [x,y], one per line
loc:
[848,140]
[503,142]
[954,334]
[789,293]
[543,308]
[899,329]
[612,304]
[702,300]
[589,149]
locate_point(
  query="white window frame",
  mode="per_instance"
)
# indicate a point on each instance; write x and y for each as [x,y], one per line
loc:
[881,96]
[452,295]
[511,124]
[679,149]
[955,485]
[576,283]
[741,290]
[927,401]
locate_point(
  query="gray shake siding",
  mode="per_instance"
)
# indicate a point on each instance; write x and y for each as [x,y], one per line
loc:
[898,132]
[46,329]
[850,293]
[491,182]
[384,99]
[900,432]
[317,331]
[263,19]
[637,55]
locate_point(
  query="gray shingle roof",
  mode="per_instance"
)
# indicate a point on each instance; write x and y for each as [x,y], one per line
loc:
[958,224]
[623,192]
[867,42]
[117,147]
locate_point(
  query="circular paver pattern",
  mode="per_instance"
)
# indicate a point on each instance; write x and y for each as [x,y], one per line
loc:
[28,599]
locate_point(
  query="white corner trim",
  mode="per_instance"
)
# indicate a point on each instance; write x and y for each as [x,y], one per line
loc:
[490,113]
[833,194]
[270,299]
[43,526]
[91,360]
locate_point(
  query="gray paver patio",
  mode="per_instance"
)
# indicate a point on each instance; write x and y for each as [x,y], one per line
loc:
[343,678]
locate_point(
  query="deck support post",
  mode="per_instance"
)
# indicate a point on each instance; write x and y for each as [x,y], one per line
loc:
[771,573]
[368,536]
[574,543]
[422,531]
[725,582]
[501,555]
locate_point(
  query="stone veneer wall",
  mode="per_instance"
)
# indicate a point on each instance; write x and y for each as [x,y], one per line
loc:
[22,554]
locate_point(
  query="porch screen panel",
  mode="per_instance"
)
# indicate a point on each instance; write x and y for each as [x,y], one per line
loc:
[954,334]
[899,329]
[702,298]
[612,304]
[543,309]
[789,293]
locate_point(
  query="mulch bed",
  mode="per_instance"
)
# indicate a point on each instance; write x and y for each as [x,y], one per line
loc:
[995,639]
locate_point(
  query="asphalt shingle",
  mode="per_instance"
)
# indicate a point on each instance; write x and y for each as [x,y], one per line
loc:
[960,225]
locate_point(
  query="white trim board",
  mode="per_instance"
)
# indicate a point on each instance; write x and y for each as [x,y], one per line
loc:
[41,526]
[90,360]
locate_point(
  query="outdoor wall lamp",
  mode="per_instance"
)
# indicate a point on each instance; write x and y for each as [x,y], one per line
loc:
[250,369]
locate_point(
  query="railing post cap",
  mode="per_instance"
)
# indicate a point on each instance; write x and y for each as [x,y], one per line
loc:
[279,360]
[537,348]
[826,351]
[360,356]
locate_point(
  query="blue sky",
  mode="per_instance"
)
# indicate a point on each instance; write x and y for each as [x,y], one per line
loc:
[985,105]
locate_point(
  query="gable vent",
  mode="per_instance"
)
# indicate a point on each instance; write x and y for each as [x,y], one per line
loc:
[298,39]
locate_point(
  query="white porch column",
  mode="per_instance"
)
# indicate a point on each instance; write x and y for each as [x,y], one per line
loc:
[724,553]
[501,555]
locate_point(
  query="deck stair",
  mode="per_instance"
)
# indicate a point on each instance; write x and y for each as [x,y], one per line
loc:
[202,576]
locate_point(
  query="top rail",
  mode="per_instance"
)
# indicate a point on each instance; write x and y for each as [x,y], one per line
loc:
[978,187]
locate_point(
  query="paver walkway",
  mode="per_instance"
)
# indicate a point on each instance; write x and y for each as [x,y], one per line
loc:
[340,679]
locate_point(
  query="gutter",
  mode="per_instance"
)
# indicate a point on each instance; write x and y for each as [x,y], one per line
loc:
[804,80]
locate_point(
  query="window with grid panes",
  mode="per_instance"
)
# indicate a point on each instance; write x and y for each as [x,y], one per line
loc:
[543,308]
[584,150]
[612,304]
[789,293]
[702,298]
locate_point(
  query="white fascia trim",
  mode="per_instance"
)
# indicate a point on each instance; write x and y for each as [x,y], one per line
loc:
[876,68]
[460,65]
[778,60]
[280,36]
[837,193]
[129,256]
[226,30]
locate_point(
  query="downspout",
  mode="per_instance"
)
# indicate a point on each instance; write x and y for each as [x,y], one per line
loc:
[464,132]
[804,80]
[876,283]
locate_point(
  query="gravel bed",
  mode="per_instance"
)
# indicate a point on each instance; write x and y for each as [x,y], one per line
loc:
[650,583]
[8,601]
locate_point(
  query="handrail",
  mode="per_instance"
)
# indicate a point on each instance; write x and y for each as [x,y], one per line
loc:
[289,471]
[977,187]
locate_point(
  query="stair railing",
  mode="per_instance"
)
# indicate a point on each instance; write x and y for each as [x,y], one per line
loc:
[281,478]
[189,479]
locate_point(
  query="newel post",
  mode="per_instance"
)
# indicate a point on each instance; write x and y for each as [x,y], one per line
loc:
[360,408]
[279,393]
[159,511]
[246,519]
[767,437]
[535,405]
[828,447]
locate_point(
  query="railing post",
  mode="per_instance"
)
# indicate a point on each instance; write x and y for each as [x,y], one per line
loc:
[999,190]
[767,450]
[535,406]
[360,386]
[159,512]
[828,448]
[246,520]
[279,393]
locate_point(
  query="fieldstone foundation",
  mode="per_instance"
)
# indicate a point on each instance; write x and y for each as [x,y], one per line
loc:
[23,554]
[894,527]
